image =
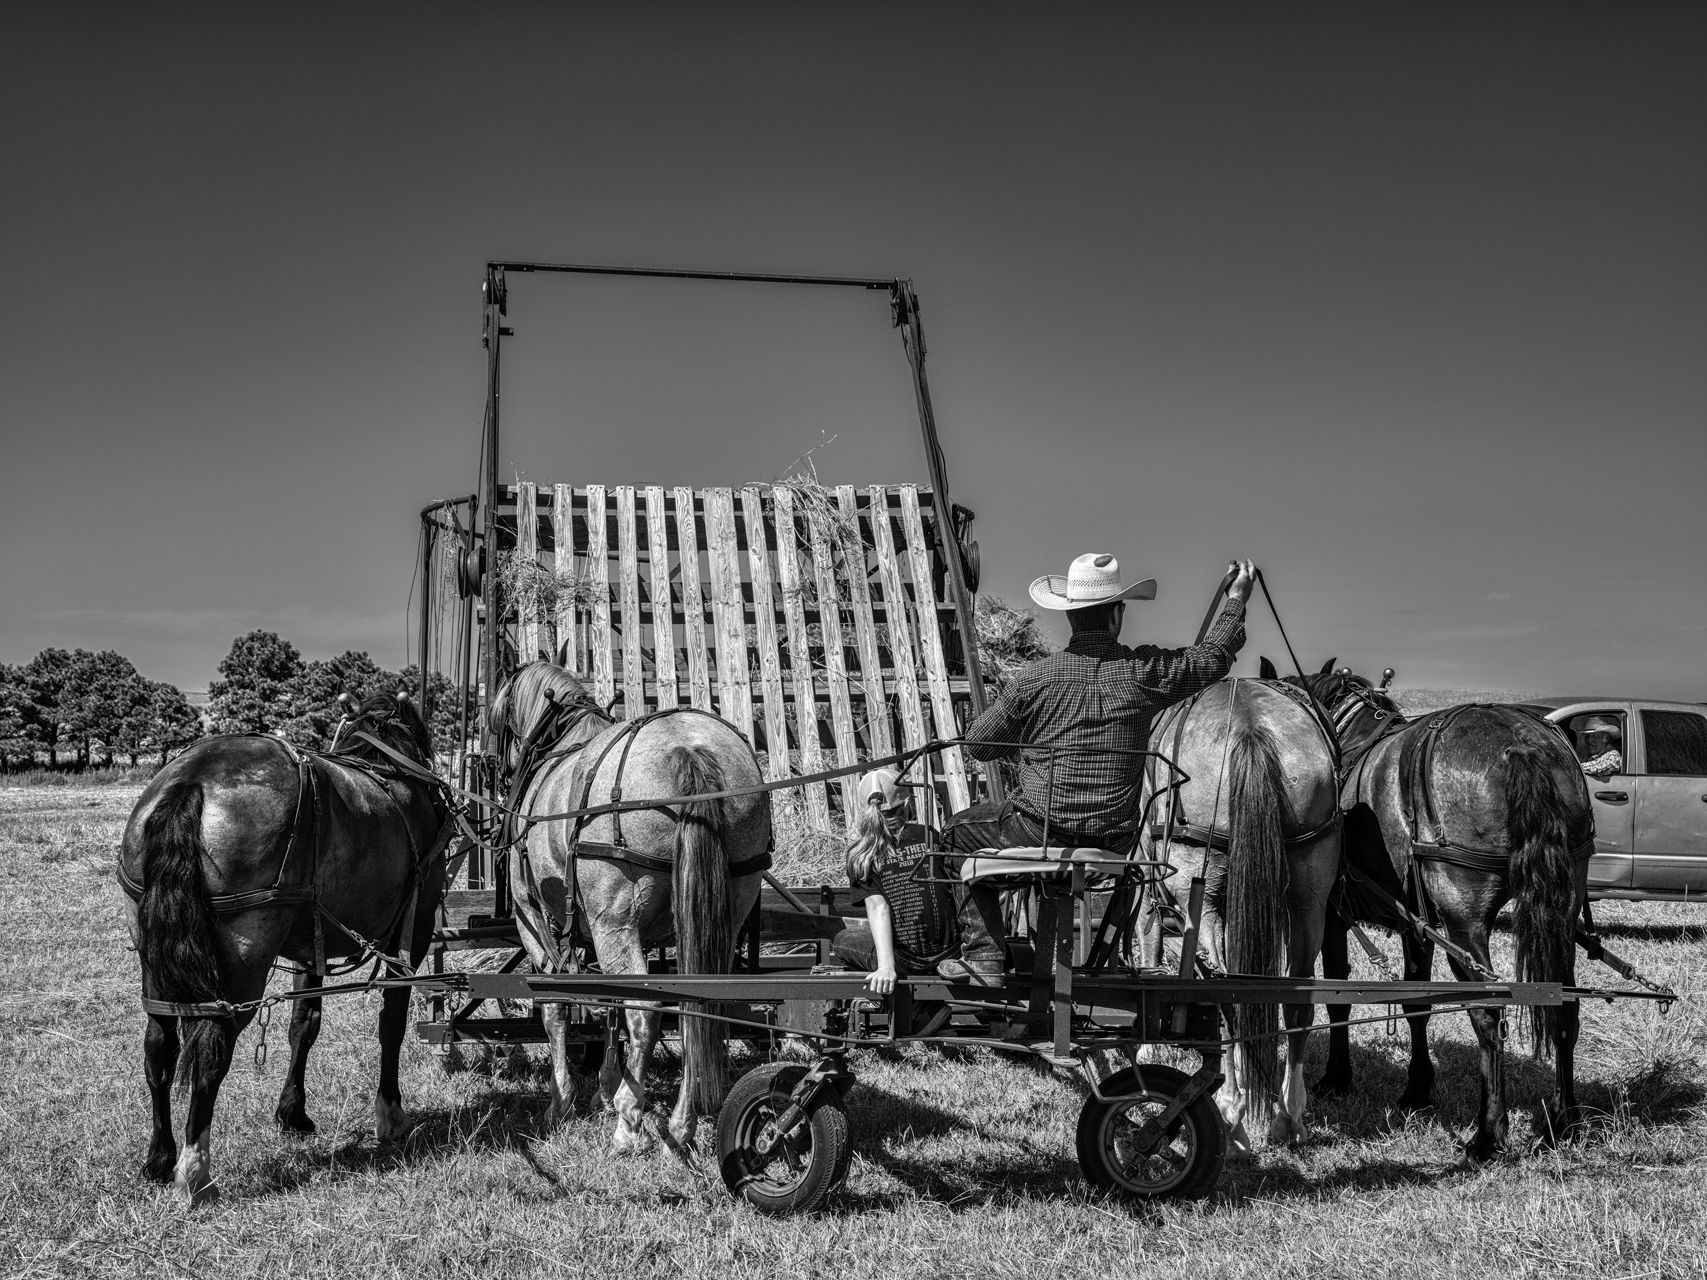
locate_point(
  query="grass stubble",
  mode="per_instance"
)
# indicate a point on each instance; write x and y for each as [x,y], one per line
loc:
[963,1163]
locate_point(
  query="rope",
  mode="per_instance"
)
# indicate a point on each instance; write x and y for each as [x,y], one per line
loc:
[1263,583]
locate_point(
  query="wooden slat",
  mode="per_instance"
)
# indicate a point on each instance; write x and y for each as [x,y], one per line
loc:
[567,650]
[930,647]
[875,711]
[764,610]
[895,616]
[693,602]
[527,551]
[628,597]
[799,655]
[598,625]
[728,612]
[835,663]
[663,614]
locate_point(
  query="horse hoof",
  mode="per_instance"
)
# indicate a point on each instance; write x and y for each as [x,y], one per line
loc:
[1283,1131]
[390,1121]
[1238,1140]
[633,1141]
[206,1197]
[1481,1148]
[158,1167]
[1552,1128]
[194,1173]
[560,1113]
[1413,1099]
[294,1122]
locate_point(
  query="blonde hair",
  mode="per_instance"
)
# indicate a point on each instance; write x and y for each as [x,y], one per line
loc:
[872,843]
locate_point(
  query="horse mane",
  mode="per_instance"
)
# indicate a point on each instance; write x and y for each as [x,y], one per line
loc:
[395,721]
[522,699]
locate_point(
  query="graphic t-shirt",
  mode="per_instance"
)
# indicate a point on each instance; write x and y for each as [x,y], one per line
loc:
[923,912]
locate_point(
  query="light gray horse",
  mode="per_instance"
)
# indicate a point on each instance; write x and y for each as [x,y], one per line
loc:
[1259,819]
[640,879]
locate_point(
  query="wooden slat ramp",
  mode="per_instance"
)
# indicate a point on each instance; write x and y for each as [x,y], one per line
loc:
[807,618]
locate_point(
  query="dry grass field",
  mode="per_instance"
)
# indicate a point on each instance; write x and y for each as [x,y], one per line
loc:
[963,1166]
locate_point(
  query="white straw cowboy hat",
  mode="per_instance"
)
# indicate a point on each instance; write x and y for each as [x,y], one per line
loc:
[1091,580]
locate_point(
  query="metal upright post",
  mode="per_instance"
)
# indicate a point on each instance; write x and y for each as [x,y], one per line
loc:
[494,328]
[428,528]
[905,303]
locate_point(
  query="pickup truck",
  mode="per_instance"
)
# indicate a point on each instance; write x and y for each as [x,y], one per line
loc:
[1650,810]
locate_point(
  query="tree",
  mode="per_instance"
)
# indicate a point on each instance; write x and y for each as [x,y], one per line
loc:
[173,722]
[15,710]
[44,679]
[103,702]
[255,691]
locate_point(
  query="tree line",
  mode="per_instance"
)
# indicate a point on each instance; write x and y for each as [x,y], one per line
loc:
[84,704]
[265,686]
[96,707]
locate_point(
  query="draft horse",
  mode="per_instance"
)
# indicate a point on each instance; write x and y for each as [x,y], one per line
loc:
[628,881]
[1449,818]
[246,849]
[1258,817]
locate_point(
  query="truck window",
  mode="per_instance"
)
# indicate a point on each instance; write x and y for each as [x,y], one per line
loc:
[1676,742]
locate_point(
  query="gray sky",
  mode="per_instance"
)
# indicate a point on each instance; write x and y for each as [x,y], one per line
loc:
[1408,303]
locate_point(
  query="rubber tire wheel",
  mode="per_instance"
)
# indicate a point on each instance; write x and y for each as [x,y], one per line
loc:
[1199,1138]
[811,1166]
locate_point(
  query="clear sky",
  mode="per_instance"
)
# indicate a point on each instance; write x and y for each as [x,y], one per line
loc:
[1409,303]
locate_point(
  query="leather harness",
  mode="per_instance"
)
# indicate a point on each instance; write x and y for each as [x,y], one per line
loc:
[1221,840]
[302,857]
[617,849]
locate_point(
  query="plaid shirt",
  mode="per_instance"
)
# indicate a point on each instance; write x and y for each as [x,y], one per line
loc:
[1097,696]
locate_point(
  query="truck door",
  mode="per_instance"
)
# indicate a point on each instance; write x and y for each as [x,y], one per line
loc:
[1671,802]
[1595,732]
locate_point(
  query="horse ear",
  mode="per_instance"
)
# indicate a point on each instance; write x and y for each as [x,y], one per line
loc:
[1328,667]
[1266,671]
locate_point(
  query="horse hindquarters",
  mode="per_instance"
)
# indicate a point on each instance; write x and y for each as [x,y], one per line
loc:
[705,933]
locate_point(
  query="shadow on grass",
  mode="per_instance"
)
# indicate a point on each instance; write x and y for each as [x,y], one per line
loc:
[501,1121]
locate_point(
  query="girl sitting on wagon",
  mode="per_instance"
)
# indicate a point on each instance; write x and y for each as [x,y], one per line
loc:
[910,923]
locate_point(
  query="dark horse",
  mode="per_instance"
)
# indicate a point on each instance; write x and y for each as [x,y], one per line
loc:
[687,874]
[245,849]
[1453,816]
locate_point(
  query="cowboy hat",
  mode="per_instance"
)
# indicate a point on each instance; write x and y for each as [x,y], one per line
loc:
[1091,580]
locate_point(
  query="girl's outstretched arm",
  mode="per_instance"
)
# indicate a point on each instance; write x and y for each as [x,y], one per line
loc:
[882,979]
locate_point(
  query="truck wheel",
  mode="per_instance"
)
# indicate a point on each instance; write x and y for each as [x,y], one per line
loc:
[1185,1163]
[802,1169]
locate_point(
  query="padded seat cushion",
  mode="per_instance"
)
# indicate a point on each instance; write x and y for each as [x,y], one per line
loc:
[1034,863]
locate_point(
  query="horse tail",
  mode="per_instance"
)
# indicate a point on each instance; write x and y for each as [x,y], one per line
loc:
[705,933]
[176,927]
[1542,878]
[1256,895]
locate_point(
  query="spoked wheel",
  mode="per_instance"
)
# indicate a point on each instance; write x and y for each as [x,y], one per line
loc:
[803,1167]
[1116,1154]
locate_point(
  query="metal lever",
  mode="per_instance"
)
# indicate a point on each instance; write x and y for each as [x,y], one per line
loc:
[1615,796]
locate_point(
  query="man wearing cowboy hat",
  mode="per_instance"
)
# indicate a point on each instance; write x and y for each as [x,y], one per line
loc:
[1092,702]
[1601,738]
